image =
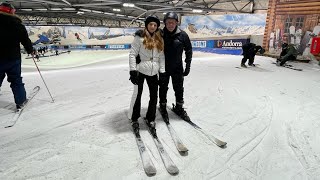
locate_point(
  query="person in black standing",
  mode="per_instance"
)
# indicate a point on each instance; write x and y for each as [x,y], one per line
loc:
[249,52]
[175,42]
[12,33]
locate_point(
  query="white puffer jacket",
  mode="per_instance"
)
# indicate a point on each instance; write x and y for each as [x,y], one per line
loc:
[152,61]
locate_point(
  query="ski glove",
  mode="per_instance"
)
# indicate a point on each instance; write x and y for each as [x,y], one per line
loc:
[187,70]
[134,77]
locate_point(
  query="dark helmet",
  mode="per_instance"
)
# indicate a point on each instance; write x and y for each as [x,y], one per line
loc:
[7,8]
[171,15]
[152,18]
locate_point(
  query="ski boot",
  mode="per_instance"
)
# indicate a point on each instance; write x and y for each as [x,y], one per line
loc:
[179,110]
[135,128]
[21,106]
[243,65]
[252,65]
[152,127]
[163,112]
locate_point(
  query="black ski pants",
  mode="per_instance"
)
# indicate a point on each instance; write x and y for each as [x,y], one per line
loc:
[247,56]
[135,107]
[177,83]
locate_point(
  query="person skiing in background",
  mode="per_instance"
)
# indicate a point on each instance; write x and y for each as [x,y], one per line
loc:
[148,47]
[12,33]
[42,39]
[289,52]
[77,36]
[175,42]
[249,52]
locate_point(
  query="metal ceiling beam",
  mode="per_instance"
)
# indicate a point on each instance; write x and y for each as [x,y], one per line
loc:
[65,1]
[48,2]
[97,4]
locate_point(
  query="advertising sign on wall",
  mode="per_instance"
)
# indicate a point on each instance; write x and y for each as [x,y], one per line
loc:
[231,43]
[118,46]
[223,46]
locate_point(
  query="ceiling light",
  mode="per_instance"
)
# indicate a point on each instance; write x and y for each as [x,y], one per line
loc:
[108,13]
[41,9]
[128,5]
[86,10]
[118,10]
[98,12]
[69,9]
[197,10]
[26,9]
[80,12]
[55,9]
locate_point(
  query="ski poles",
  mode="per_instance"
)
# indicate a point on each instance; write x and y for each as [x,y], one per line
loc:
[42,78]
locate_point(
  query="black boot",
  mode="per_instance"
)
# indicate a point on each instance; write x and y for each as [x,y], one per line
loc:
[163,111]
[180,111]
[21,106]
[135,128]
[243,65]
[152,128]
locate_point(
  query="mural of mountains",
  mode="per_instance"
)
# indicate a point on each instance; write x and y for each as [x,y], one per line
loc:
[223,25]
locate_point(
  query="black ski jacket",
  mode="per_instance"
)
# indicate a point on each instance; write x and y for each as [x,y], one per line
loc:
[12,33]
[174,44]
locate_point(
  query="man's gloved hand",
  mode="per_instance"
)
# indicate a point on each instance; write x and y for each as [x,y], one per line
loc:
[134,77]
[187,70]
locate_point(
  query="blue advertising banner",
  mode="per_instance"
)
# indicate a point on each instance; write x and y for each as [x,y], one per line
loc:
[118,46]
[231,43]
[222,46]
[77,47]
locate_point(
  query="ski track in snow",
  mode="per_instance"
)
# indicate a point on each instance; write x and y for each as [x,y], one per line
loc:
[246,147]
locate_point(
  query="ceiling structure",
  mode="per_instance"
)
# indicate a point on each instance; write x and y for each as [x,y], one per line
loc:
[123,13]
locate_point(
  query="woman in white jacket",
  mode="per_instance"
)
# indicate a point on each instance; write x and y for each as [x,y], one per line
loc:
[146,60]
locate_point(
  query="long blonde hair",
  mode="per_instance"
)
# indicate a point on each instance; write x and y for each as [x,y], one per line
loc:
[153,42]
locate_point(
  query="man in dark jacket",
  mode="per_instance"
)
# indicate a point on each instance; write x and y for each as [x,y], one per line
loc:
[249,52]
[175,42]
[12,33]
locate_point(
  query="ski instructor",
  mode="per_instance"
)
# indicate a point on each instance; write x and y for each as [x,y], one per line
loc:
[12,33]
[175,42]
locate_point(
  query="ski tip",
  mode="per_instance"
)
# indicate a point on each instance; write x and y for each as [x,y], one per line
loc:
[8,126]
[173,170]
[182,148]
[223,145]
[151,171]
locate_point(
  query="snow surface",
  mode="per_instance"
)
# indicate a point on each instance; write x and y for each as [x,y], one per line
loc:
[269,116]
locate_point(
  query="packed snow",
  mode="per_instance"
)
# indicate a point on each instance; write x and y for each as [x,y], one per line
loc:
[268,115]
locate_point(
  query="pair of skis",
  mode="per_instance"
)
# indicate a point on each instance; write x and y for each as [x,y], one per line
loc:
[19,111]
[179,144]
[148,165]
[288,66]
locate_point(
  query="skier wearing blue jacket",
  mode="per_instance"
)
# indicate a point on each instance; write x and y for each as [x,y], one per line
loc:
[42,39]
